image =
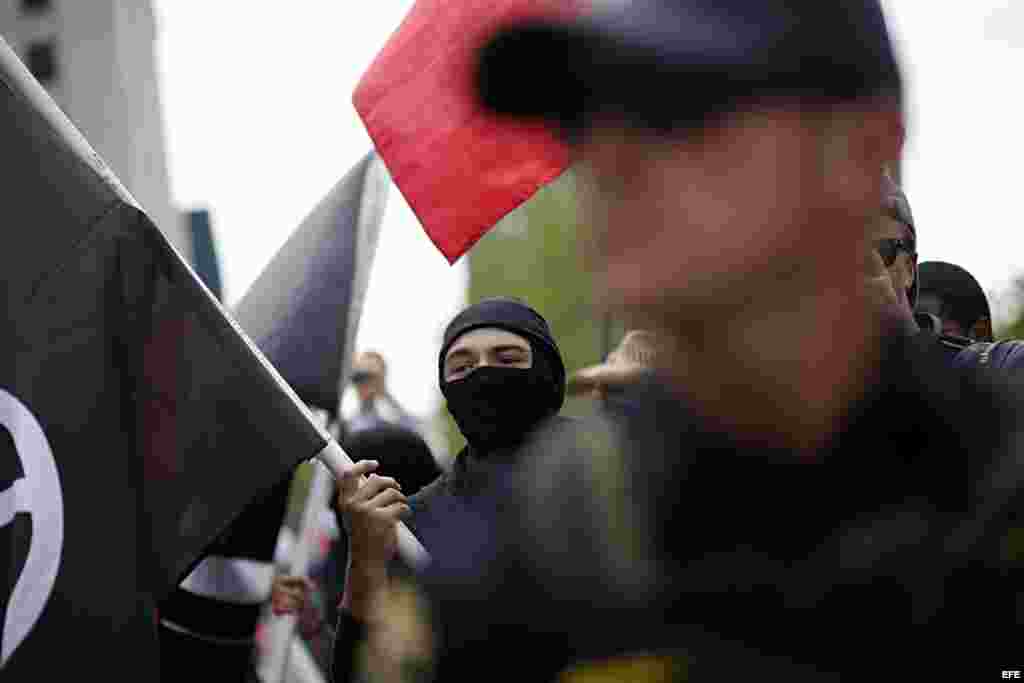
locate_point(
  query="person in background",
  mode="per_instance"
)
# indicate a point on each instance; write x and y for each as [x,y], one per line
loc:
[955,299]
[370,379]
[894,238]
[953,307]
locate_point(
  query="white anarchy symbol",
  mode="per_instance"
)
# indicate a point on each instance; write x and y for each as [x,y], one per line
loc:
[39,494]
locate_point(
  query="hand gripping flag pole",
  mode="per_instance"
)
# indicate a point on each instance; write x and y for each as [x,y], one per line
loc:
[410,549]
[335,460]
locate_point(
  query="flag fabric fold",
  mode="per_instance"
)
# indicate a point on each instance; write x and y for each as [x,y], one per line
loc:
[304,309]
[157,421]
[460,167]
[303,313]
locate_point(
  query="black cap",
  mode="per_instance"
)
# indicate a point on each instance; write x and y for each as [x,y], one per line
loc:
[667,64]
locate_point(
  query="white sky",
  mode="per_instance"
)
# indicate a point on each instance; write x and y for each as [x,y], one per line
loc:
[257,101]
[260,126]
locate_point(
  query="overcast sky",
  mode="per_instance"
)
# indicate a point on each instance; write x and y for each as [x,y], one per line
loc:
[259,121]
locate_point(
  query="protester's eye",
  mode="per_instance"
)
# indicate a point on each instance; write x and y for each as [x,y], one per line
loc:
[512,358]
[459,370]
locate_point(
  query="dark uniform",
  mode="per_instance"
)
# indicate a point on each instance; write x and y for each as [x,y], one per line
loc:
[667,542]
[1004,356]
[948,345]
[891,552]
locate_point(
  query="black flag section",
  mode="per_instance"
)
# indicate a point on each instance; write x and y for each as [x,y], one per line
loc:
[303,312]
[304,309]
[143,420]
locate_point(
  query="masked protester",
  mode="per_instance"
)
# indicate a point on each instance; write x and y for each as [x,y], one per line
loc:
[502,375]
[816,497]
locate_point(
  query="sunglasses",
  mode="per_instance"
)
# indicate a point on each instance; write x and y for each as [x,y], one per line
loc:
[889,248]
[361,376]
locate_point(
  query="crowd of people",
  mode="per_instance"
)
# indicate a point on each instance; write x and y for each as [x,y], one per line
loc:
[807,463]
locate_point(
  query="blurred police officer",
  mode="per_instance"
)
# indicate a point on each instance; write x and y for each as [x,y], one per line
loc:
[814,497]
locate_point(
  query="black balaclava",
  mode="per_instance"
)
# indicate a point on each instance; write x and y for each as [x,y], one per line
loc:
[495,407]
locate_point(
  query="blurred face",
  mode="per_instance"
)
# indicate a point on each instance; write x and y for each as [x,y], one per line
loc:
[746,208]
[373,386]
[709,216]
[486,346]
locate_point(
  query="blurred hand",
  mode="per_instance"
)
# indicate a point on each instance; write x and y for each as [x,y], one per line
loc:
[290,594]
[598,379]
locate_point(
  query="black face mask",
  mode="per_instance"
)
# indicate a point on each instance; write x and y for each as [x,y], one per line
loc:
[495,407]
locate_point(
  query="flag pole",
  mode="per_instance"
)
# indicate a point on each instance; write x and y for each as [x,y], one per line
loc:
[332,460]
[282,630]
[410,550]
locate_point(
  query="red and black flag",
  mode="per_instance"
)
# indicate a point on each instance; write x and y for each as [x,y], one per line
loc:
[460,167]
[137,419]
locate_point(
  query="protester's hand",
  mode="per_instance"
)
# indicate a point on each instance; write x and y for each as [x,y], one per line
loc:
[290,594]
[370,509]
[598,379]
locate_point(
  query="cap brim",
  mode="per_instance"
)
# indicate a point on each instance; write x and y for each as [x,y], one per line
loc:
[664,69]
[568,73]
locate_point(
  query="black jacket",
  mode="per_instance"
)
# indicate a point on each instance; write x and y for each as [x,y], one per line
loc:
[437,512]
[894,552]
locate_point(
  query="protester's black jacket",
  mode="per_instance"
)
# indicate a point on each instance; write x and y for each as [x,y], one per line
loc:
[894,551]
[439,503]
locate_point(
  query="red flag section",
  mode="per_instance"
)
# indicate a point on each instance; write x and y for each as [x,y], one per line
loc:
[460,167]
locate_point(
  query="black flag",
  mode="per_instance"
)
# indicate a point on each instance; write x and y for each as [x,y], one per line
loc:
[303,312]
[137,420]
[304,309]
